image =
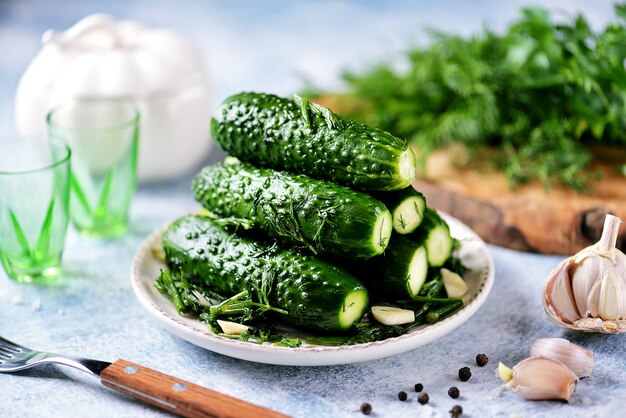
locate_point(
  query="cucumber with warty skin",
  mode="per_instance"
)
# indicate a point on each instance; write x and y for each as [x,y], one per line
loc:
[434,234]
[302,137]
[397,274]
[326,217]
[314,293]
[406,206]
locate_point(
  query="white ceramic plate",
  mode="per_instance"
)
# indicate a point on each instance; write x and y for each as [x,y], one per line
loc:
[479,277]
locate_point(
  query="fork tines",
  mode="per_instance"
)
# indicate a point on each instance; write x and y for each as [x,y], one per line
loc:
[8,349]
[4,343]
[5,354]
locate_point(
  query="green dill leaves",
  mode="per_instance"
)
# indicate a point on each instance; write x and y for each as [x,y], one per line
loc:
[332,120]
[539,94]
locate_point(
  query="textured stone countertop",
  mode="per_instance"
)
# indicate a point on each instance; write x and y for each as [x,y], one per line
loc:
[92,311]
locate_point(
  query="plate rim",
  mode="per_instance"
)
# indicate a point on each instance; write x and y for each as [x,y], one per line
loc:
[308,355]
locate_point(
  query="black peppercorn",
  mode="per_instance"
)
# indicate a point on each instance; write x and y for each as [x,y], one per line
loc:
[456,411]
[464,374]
[366,408]
[402,396]
[423,398]
[482,360]
[454,392]
[419,387]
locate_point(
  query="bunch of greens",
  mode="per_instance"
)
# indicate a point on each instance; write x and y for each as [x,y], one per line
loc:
[539,95]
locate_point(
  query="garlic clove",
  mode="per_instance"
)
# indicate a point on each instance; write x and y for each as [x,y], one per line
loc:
[540,378]
[578,359]
[232,328]
[389,315]
[593,301]
[558,296]
[611,300]
[583,278]
[453,283]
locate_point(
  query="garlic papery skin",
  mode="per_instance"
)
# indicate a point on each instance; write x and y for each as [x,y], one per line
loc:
[576,358]
[588,290]
[540,378]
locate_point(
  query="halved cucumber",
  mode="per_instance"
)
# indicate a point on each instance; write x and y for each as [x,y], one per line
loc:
[397,274]
[407,208]
[352,309]
[321,216]
[313,293]
[434,234]
[302,137]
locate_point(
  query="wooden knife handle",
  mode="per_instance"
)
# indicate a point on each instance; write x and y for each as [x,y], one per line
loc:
[176,395]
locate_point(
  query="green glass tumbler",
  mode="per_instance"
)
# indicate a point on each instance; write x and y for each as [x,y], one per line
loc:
[34,207]
[104,137]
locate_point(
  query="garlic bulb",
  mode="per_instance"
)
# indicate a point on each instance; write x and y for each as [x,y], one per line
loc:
[574,357]
[540,378]
[588,290]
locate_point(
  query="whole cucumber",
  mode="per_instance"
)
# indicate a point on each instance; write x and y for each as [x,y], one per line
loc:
[326,217]
[305,138]
[314,293]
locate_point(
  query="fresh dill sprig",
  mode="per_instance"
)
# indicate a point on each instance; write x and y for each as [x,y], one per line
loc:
[332,120]
[286,224]
[231,223]
[540,95]
[285,221]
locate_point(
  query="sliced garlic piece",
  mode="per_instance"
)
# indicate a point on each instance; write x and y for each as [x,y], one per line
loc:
[540,378]
[232,328]
[454,284]
[388,315]
[576,358]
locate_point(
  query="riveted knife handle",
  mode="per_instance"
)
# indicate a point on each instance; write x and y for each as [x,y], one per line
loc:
[176,395]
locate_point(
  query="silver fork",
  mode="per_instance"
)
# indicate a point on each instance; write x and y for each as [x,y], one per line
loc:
[159,389]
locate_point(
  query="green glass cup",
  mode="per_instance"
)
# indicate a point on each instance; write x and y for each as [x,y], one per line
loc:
[34,207]
[104,137]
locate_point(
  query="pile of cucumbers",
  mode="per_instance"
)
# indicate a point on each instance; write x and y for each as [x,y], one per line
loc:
[312,219]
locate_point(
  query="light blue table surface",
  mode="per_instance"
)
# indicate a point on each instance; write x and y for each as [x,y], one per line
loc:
[92,310]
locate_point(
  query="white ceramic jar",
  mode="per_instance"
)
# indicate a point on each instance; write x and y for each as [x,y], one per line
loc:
[158,69]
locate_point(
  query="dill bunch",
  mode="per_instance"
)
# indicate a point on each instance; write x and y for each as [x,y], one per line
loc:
[538,94]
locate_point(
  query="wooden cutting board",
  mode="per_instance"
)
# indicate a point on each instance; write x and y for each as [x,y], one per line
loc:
[529,218]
